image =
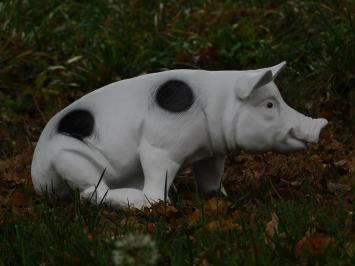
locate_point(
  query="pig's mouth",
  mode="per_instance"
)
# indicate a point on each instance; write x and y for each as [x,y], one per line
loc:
[298,143]
[301,139]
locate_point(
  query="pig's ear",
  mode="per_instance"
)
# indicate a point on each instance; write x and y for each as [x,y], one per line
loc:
[253,80]
[277,69]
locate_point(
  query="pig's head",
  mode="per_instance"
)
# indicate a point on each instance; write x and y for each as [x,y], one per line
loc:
[264,121]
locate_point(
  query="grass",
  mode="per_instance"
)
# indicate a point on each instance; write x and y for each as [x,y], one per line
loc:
[52,52]
[55,233]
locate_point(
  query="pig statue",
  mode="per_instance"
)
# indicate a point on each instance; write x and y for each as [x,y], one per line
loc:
[143,130]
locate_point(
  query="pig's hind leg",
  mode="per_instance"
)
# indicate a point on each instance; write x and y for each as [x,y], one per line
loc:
[81,167]
[208,173]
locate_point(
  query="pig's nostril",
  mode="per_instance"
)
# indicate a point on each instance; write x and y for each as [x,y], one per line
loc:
[323,122]
[317,126]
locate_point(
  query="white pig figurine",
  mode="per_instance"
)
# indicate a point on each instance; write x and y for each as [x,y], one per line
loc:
[143,130]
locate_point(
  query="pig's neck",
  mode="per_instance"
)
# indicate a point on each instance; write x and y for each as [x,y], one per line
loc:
[221,115]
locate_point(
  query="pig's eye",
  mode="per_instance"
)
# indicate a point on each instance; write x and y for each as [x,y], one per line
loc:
[269,105]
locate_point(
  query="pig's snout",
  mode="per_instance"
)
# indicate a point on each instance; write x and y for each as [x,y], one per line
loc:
[308,130]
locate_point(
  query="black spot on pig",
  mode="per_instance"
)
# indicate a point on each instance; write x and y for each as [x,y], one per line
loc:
[174,96]
[77,124]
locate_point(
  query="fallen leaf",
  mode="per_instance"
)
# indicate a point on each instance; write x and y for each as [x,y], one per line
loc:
[352,165]
[311,245]
[199,262]
[341,163]
[252,220]
[193,241]
[3,166]
[213,226]
[171,211]
[4,135]
[204,262]
[335,144]
[272,227]
[350,249]
[18,199]
[194,218]
[349,221]
[337,187]
[151,227]
[164,209]
[175,222]
[219,205]
[296,183]
[222,225]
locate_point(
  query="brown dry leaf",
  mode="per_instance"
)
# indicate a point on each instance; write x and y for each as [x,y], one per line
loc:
[130,221]
[222,225]
[3,166]
[311,245]
[194,218]
[335,144]
[18,199]
[164,209]
[296,183]
[341,163]
[199,262]
[171,211]
[350,249]
[157,208]
[4,135]
[175,222]
[252,220]
[337,187]
[70,208]
[16,168]
[272,227]
[193,241]
[218,205]
[213,226]
[349,220]
[151,227]
[352,165]
[204,262]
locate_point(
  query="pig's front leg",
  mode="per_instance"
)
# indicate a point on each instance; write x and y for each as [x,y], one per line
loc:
[208,173]
[159,171]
